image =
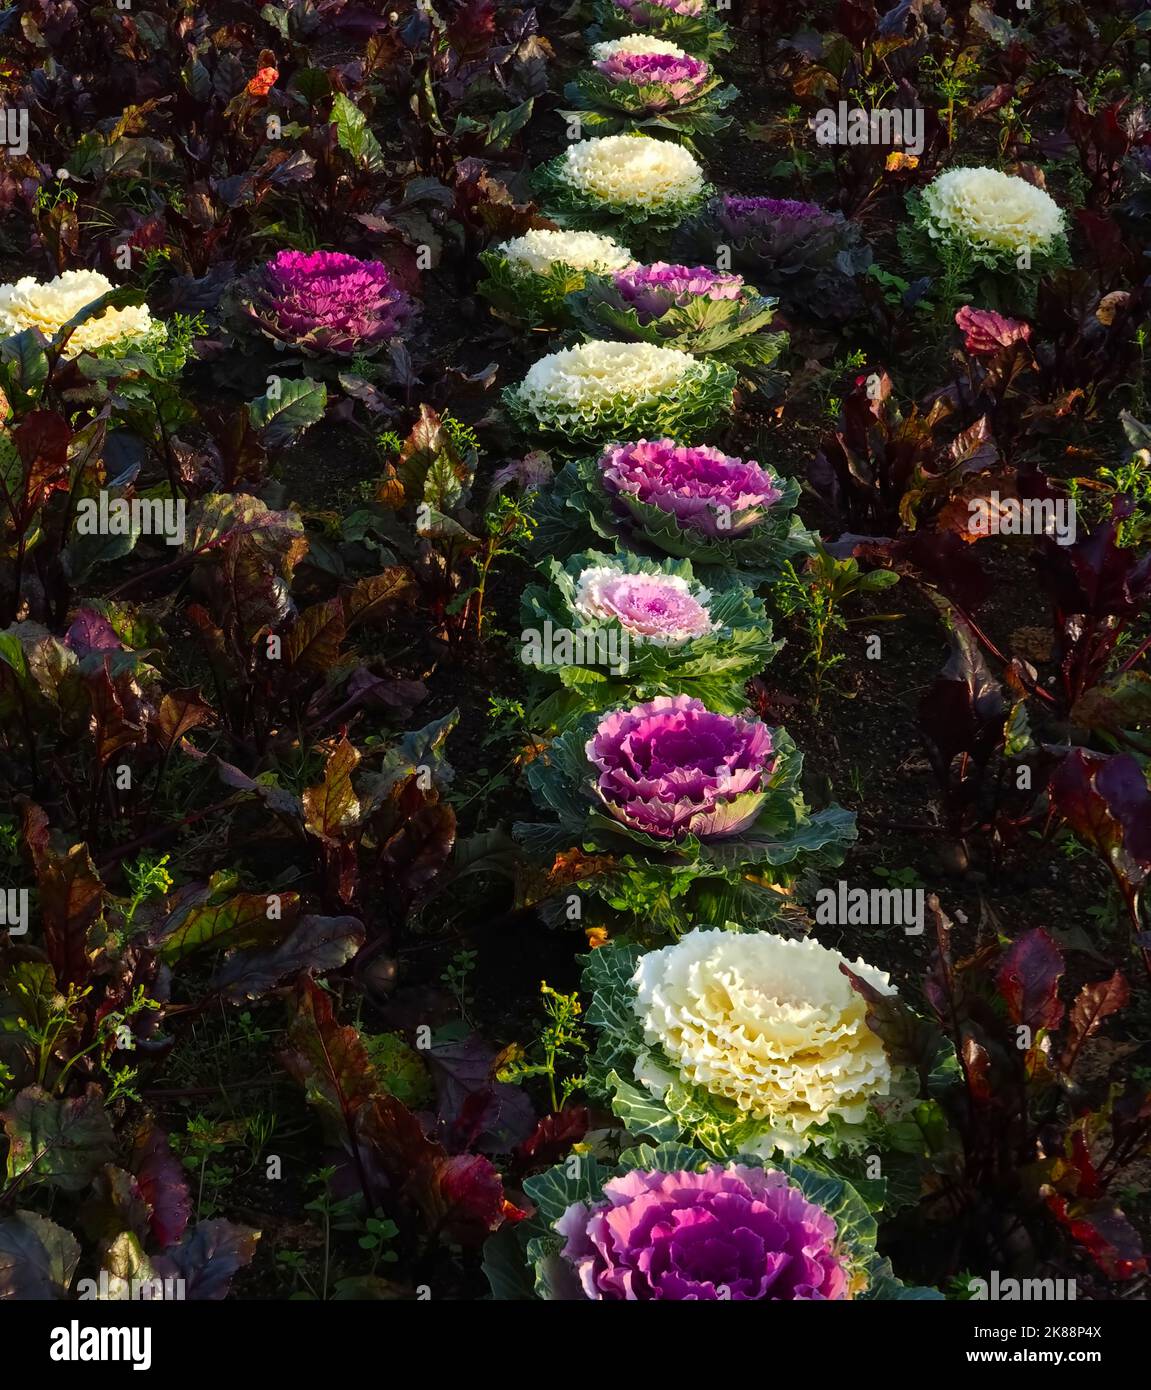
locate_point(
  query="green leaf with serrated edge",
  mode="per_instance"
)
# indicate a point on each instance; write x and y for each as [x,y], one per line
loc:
[354,134]
[38,1258]
[282,417]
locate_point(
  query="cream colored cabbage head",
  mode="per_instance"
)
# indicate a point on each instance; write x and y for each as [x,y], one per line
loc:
[539,249]
[632,171]
[50,305]
[992,210]
[593,375]
[636,43]
[769,1024]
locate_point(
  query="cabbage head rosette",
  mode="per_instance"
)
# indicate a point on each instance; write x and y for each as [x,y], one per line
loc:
[611,628]
[599,390]
[693,25]
[706,312]
[744,1042]
[693,502]
[636,88]
[528,277]
[670,1223]
[693,808]
[632,184]
[80,298]
[325,303]
[991,231]
[806,256]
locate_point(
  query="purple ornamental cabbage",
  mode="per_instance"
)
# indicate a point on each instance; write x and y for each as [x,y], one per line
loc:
[799,251]
[326,301]
[651,290]
[671,768]
[680,78]
[729,1233]
[702,487]
[637,9]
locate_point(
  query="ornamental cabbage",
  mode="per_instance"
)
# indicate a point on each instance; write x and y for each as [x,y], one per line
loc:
[676,636]
[671,768]
[629,179]
[49,305]
[692,308]
[325,302]
[598,390]
[669,1222]
[808,257]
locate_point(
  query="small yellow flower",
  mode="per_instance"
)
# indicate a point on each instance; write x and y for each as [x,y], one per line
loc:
[596,936]
[898,161]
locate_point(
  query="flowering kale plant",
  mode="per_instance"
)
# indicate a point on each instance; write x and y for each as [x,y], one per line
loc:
[671,1223]
[642,628]
[691,24]
[325,302]
[685,797]
[988,231]
[635,183]
[529,276]
[597,391]
[677,1059]
[692,308]
[629,90]
[808,257]
[691,501]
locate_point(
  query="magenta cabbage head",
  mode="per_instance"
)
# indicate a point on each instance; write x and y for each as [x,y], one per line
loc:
[702,487]
[671,768]
[651,290]
[679,78]
[638,9]
[728,1233]
[325,301]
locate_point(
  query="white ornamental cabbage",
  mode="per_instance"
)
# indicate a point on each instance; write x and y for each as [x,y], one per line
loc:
[49,306]
[632,171]
[993,211]
[636,43]
[769,1024]
[538,250]
[602,390]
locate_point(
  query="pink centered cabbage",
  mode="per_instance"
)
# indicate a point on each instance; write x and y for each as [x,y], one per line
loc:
[671,768]
[681,78]
[328,301]
[653,607]
[728,1233]
[651,290]
[699,485]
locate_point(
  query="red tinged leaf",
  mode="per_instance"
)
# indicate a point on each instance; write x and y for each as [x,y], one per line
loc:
[552,1139]
[1028,980]
[1104,1232]
[1092,1005]
[327,1059]
[180,712]
[208,1257]
[71,898]
[162,1183]
[472,1191]
[977,1070]
[41,440]
[1106,802]
[418,852]
[461,1198]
